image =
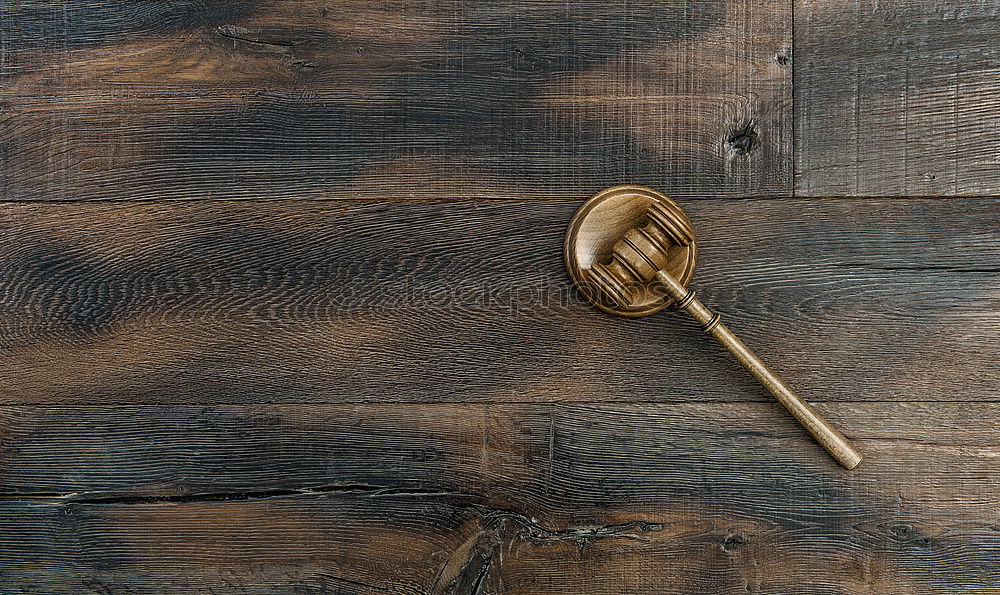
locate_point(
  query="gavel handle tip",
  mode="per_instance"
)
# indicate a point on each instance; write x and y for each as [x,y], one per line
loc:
[833,441]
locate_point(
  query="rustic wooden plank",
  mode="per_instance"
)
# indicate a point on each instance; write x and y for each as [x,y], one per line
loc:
[895,98]
[283,301]
[299,545]
[643,498]
[348,99]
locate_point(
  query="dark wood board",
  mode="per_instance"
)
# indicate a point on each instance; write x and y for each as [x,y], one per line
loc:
[896,98]
[284,301]
[383,383]
[472,498]
[349,99]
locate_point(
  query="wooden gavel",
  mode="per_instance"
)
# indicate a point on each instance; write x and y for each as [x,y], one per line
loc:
[635,278]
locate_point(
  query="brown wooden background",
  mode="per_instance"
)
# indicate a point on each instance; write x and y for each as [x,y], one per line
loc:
[282,307]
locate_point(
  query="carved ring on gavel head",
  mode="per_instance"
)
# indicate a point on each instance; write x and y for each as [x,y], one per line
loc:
[631,251]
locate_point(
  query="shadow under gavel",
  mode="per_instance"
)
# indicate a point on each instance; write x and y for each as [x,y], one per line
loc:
[639,275]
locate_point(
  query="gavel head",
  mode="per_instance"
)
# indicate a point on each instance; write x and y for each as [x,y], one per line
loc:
[619,239]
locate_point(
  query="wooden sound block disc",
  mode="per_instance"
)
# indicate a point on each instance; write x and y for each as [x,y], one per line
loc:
[601,222]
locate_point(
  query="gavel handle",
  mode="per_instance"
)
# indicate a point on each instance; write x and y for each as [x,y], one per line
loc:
[829,438]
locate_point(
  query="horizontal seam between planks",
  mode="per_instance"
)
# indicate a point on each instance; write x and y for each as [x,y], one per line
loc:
[473,199]
[76,405]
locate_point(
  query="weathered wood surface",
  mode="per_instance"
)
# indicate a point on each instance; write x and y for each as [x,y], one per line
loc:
[348,99]
[468,301]
[405,396]
[896,98]
[474,498]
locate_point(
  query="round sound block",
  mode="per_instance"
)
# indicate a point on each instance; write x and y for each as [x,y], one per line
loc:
[600,223]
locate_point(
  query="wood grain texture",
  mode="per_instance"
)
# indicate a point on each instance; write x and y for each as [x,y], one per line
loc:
[385,395]
[896,98]
[474,498]
[329,301]
[349,99]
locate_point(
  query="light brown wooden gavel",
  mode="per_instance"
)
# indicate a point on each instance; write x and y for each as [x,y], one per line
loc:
[640,259]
